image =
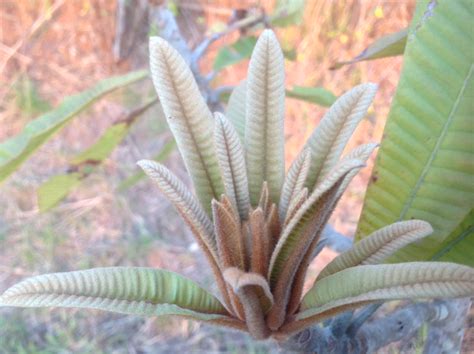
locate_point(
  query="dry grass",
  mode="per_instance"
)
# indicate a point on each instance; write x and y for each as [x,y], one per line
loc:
[62,51]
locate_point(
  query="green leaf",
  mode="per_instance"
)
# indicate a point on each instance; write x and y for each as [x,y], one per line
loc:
[317,95]
[28,99]
[389,45]
[128,290]
[288,13]
[236,108]
[55,189]
[388,282]
[425,166]
[49,194]
[454,247]
[236,52]
[104,146]
[16,150]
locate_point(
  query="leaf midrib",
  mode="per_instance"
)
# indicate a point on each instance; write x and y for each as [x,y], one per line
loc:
[436,148]
[193,138]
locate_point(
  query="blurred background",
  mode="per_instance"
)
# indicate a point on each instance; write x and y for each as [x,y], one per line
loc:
[81,202]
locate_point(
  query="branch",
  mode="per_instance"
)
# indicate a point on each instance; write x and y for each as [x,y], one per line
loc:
[446,319]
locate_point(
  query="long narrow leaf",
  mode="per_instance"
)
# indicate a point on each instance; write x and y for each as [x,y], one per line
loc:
[237,107]
[294,181]
[381,244]
[388,282]
[184,202]
[331,136]
[390,45]
[138,291]
[232,163]
[18,149]
[188,117]
[264,136]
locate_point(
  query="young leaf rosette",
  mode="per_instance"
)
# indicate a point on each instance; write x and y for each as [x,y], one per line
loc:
[257,226]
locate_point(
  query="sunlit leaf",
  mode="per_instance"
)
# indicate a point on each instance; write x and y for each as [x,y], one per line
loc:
[425,166]
[237,51]
[287,13]
[386,46]
[55,189]
[16,150]
[317,95]
[137,291]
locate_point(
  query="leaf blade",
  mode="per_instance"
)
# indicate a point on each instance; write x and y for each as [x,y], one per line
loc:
[264,129]
[15,151]
[389,45]
[429,132]
[134,290]
[330,137]
[189,118]
[388,282]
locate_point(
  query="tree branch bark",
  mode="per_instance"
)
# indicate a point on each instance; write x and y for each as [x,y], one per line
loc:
[445,318]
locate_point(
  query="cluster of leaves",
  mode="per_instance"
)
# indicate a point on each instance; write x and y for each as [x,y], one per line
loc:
[17,150]
[257,227]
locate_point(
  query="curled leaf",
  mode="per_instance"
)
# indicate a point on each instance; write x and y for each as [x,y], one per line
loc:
[379,245]
[254,294]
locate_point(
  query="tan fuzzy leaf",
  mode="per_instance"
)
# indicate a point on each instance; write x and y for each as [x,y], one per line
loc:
[188,117]
[295,205]
[229,239]
[260,242]
[192,214]
[303,217]
[361,152]
[379,245]
[138,291]
[299,236]
[232,163]
[273,226]
[264,200]
[247,243]
[183,201]
[264,128]
[236,108]
[413,280]
[254,294]
[331,136]
[294,181]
